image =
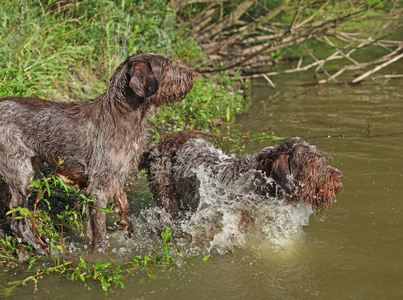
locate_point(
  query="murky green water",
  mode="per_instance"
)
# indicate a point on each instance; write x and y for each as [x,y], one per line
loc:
[354,252]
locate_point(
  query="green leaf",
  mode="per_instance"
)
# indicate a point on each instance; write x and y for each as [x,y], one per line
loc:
[63,184]
[35,184]
[166,249]
[106,210]
[206,258]
[167,234]
[105,284]
[101,265]
[47,187]
[192,258]
[58,247]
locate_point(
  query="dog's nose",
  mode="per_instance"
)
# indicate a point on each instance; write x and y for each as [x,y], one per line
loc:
[193,73]
[337,175]
[187,72]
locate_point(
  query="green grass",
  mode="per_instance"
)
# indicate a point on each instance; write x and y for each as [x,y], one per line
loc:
[44,46]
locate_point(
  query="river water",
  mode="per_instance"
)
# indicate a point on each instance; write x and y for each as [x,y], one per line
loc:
[354,251]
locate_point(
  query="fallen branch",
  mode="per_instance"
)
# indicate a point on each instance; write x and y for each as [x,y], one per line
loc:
[376,69]
[388,76]
[270,82]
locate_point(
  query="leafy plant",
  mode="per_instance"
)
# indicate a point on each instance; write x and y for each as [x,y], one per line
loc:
[42,223]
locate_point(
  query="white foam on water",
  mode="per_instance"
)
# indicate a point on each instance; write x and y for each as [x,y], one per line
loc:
[228,217]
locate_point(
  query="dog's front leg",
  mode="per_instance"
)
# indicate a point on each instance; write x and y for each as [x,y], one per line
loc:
[97,222]
[122,208]
[89,211]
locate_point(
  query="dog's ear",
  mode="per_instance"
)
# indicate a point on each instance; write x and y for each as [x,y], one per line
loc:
[281,173]
[142,79]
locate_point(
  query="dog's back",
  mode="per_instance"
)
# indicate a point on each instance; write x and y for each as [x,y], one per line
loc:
[171,166]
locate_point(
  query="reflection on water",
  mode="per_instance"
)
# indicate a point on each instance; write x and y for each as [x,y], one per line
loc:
[354,251]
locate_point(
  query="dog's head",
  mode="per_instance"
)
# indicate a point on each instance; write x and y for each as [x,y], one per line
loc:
[303,175]
[154,79]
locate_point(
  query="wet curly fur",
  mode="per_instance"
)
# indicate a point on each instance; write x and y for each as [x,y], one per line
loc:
[100,140]
[296,171]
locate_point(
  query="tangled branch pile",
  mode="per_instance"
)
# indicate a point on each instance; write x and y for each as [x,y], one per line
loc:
[246,34]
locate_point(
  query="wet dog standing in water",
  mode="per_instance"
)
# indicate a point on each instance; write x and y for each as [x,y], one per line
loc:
[100,140]
[295,171]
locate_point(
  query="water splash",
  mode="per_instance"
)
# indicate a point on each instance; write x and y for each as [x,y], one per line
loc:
[228,217]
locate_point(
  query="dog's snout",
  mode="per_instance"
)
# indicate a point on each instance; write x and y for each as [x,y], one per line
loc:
[337,175]
[193,73]
[185,71]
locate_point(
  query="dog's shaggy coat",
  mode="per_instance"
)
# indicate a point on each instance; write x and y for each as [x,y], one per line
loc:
[295,171]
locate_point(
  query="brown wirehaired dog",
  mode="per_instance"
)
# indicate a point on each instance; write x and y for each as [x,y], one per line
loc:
[295,171]
[100,140]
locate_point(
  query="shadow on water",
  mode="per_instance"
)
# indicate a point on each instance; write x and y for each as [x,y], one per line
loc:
[354,251]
